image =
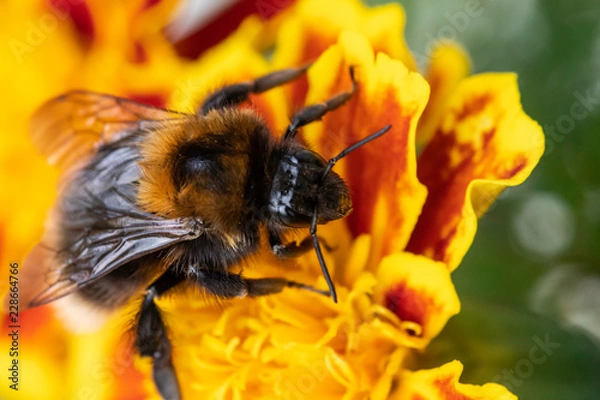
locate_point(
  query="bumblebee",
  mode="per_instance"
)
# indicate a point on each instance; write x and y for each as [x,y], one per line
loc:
[153,198]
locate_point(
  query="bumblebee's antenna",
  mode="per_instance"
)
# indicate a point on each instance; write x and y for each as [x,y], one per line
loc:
[355,146]
[313,233]
[313,226]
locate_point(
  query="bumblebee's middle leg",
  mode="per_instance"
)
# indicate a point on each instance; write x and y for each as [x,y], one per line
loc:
[152,340]
[234,285]
[239,92]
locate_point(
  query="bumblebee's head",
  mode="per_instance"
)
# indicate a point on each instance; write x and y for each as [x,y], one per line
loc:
[304,183]
[306,192]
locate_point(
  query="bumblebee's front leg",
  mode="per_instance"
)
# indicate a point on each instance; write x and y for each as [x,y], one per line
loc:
[289,250]
[239,92]
[152,340]
[293,249]
[314,112]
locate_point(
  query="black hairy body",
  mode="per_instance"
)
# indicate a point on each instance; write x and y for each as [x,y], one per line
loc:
[204,172]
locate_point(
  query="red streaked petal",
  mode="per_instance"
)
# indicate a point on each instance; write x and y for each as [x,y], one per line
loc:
[151,99]
[485,142]
[80,14]
[381,175]
[225,23]
[449,65]
[442,384]
[418,290]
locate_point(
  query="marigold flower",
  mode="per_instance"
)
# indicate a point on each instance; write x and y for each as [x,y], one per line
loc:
[413,221]
[414,216]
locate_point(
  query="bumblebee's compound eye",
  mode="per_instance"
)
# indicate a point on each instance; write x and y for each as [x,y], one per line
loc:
[309,157]
[333,199]
[296,220]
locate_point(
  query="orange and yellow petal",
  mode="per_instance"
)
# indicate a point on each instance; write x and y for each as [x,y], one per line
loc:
[449,65]
[442,384]
[55,363]
[381,175]
[130,56]
[311,26]
[484,143]
[222,65]
[28,78]
[419,292]
[131,23]
[107,355]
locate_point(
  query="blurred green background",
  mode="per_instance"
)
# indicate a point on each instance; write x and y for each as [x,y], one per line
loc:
[530,284]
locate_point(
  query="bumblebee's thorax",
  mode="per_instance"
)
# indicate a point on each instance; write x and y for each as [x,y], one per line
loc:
[207,167]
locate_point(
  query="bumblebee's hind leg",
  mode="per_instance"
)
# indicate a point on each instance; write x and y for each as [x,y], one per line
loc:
[151,333]
[239,92]
[152,340]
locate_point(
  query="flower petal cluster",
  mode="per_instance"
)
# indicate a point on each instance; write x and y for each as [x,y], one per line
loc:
[456,142]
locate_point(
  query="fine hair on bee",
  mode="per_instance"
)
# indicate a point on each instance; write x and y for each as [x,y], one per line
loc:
[152,198]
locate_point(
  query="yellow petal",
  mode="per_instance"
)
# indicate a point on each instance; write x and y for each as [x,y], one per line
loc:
[442,384]
[419,290]
[357,260]
[449,65]
[485,142]
[381,175]
[311,26]
[320,23]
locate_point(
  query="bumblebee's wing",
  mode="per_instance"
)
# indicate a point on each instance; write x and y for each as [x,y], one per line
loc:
[76,124]
[103,250]
[96,225]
